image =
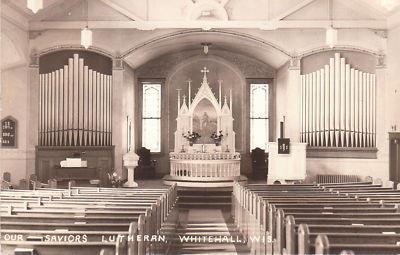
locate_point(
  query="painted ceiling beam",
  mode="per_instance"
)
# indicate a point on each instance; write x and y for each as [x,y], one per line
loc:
[122,10]
[359,5]
[14,17]
[293,9]
[50,10]
[206,25]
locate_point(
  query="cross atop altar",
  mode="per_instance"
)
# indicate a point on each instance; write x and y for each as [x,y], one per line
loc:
[205,70]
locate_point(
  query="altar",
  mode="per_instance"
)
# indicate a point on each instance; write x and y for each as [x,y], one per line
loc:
[204,153]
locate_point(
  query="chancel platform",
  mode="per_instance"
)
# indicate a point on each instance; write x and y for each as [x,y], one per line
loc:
[204,154]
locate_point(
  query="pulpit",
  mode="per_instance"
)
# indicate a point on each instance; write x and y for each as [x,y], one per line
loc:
[286,168]
[204,154]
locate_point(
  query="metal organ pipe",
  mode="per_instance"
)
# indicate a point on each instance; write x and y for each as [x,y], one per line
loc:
[75,106]
[338,106]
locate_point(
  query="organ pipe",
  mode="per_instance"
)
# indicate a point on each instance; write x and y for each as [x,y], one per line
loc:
[75,106]
[338,106]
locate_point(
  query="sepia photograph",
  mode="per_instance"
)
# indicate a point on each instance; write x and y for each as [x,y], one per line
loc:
[171,127]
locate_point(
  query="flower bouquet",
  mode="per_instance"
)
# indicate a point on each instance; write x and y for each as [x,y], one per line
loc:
[217,137]
[116,181]
[191,137]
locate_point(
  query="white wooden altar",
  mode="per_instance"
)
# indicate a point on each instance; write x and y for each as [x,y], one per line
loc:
[206,162]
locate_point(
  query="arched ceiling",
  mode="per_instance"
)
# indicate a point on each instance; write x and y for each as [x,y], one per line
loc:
[221,40]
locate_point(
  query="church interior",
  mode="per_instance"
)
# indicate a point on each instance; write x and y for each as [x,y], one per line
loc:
[200,127]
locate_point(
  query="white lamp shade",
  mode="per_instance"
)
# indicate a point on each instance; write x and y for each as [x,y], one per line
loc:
[331,37]
[34,5]
[86,38]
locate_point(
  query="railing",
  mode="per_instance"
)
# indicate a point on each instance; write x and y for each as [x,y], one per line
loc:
[205,166]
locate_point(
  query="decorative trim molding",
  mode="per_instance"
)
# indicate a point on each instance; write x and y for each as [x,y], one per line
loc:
[118,64]
[381,61]
[75,47]
[339,152]
[294,63]
[197,31]
[339,48]
[34,61]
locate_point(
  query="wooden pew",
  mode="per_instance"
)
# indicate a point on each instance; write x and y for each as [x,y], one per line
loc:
[354,234]
[326,245]
[252,204]
[146,220]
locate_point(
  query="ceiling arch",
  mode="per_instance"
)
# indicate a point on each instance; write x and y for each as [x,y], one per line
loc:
[234,41]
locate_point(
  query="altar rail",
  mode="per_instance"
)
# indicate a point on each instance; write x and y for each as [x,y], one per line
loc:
[205,166]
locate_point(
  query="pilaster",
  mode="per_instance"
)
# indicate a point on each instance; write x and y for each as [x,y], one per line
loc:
[118,118]
[293,101]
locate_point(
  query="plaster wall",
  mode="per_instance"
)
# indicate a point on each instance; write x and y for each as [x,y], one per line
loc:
[15,99]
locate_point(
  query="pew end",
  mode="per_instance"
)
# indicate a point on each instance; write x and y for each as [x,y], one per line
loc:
[378,181]
[303,239]
[347,252]
[25,251]
[132,238]
[290,235]
[322,245]
[107,251]
[388,184]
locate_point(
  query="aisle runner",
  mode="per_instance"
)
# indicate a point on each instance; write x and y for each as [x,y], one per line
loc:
[207,231]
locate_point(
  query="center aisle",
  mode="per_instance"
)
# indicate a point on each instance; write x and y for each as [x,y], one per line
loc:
[205,229]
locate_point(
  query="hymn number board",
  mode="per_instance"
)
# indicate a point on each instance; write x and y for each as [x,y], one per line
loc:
[283,146]
[8,133]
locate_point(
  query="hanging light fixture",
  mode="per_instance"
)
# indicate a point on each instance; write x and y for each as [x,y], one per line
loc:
[205,47]
[331,35]
[34,5]
[86,33]
[86,37]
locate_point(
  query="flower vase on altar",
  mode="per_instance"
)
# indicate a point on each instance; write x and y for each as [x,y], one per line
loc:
[217,137]
[191,137]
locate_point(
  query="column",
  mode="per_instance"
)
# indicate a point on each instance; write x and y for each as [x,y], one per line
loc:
[382,127]
[118,118]
[32,113]
[293,97]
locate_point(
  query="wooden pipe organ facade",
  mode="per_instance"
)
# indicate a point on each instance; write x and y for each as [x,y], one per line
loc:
[75,118]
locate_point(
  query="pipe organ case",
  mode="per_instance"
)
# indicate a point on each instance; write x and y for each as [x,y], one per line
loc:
[75,115]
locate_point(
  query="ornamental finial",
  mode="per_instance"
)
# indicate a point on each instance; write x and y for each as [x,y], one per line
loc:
[205,71]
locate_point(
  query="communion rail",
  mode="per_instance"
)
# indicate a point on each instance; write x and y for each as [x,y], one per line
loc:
[205,166]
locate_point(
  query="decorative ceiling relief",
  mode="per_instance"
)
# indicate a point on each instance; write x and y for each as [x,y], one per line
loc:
[207,10]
